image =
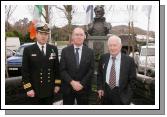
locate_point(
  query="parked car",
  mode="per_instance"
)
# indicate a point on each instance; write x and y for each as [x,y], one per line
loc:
[9,53]
[12,43]
[150,60]
[14,63]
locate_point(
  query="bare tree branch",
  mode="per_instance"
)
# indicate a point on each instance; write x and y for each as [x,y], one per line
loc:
[60,8]
[9,9]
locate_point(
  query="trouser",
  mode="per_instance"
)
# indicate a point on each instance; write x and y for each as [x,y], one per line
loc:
[81,98]
[112,96]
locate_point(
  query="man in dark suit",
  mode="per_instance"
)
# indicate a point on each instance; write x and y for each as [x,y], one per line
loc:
[40,68]
[116,75]
[76,68]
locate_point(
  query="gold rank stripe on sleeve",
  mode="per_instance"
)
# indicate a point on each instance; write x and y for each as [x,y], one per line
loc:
[57,81]
[28,85]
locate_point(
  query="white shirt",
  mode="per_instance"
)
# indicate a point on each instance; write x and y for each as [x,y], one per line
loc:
[79,51]
[117,68]
[40,47]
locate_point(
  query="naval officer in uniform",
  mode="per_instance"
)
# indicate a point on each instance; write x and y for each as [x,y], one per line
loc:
[40,68]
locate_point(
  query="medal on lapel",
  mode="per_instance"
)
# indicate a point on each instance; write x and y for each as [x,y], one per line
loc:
[52,55]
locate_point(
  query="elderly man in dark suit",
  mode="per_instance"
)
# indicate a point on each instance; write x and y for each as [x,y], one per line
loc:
[76,68]
[116,75]
[40,68]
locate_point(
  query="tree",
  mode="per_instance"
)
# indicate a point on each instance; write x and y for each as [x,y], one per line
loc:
[9,9]
[9,34]
[46,16]
[27,38]
[131,10]
[18,34]
[8,27]
[22,26]
[68,14]
[68,11]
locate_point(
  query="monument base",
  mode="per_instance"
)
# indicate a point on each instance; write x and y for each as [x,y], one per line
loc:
[98,44]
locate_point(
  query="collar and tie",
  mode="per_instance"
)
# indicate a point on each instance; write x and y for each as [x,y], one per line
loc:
[112,80]
[42,48]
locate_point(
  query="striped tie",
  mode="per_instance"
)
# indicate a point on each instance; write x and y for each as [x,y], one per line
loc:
[112,80]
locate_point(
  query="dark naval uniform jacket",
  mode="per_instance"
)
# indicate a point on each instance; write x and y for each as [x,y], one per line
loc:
[40,73]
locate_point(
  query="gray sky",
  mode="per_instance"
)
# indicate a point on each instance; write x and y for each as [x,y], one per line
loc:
[117,15]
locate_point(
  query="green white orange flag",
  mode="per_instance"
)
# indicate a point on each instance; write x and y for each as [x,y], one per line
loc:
[32,30]
[39,11]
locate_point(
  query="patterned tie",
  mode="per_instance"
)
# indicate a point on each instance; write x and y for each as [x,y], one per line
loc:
[77,56]
[43,51]
[112,80]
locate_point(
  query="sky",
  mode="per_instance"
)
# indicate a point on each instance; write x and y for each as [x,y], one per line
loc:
[117,15]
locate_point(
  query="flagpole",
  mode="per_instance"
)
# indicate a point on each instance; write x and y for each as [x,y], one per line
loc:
[147,38]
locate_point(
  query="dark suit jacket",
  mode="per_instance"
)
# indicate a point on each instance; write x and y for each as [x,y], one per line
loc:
[69,70]
[127,76]
[40,73]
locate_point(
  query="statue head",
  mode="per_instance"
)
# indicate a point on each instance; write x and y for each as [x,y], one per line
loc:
[99,11]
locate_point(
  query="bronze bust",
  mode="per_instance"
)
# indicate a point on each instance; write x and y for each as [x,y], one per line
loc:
[99,27]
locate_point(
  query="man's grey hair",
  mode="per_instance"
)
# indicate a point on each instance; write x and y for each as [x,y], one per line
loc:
[115,37]
[78,28]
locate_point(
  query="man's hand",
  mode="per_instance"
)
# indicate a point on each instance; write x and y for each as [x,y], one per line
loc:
[31,93]
[56,89]
[76,85]
[101,93]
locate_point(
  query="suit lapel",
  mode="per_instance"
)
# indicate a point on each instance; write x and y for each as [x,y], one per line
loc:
[83,55]
[122,68]
[72,53]
[105,65]
[38,51]
[47,51]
